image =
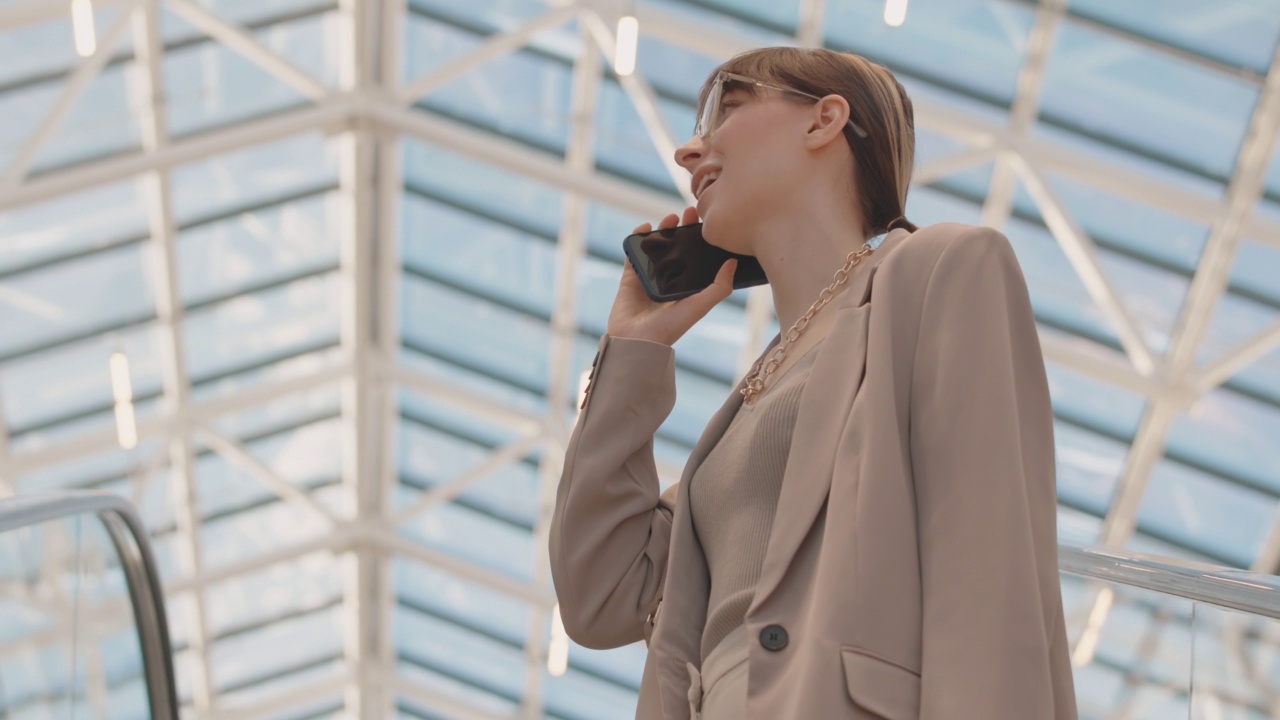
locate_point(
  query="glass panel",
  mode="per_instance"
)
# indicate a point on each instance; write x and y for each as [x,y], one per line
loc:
[97,291]
[1239,32]
[1135,663]
[1126,226]
[1232,434]
[275,657]
[1256,269]
[430,457]
[211,85]
[65,382]
[1236,671]
[476,333]
[260,246]
[263,326]
[470,252]
[1153,103]
[974,46]
[434,172]
[76,223]
[70,638]
[1089,466]
[1221,520]
[102,121]
[44,49]
[264,172]
[522,95]
[624,146]
[1236,319]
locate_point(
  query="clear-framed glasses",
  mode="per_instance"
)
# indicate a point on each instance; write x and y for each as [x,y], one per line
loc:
[713,108]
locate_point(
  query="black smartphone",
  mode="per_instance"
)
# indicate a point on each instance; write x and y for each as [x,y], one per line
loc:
[677,262]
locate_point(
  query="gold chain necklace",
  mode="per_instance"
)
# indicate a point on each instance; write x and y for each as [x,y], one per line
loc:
[765,367]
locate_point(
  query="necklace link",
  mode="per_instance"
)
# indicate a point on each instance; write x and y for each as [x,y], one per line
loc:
[769,364]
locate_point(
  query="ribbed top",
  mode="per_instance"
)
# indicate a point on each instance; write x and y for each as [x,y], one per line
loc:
[733,495]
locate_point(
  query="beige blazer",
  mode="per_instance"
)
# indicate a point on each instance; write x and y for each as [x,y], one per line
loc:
[911,570]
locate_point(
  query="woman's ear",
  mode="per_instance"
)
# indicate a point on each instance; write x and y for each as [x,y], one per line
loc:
[830,116]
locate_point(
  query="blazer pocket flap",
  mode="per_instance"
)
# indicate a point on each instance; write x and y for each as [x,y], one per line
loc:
[885,689]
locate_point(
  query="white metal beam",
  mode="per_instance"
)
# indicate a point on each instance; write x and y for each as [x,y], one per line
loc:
[59,183]
[492,48]
[645,102]
[497,459]
[72,89]
[385,297]
[1238,358]
[439,703]
[1083,256]
[948,165]
[809,31]
[7,480]
[177,383]
[517,157]
[239,456]
[525,423]
[365,569]
[405,547]
[239,40]
[1024,111]
[571,247]
[1207,287]
[164,424]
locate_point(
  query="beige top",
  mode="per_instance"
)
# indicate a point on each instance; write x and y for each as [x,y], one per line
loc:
[733,496]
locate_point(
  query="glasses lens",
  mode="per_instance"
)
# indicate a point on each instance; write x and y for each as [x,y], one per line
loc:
[711,108]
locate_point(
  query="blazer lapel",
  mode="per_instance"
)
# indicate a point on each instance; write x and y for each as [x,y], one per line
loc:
[825,403]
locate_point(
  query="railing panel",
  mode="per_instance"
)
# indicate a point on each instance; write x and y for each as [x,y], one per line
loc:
[78,606]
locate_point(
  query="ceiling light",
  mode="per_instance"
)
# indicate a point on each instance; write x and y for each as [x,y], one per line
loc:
[82,27]
[895,12]
[558,650]
[624,58]
[122,393]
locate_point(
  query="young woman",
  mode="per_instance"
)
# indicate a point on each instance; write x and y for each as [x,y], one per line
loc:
[867,528]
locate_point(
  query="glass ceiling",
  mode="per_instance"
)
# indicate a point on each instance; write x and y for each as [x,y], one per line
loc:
[355,320]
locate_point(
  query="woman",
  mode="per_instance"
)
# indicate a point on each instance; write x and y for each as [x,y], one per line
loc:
[867,528]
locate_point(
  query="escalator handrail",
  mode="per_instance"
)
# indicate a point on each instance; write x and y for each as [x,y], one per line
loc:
[1242,590]
[129,536]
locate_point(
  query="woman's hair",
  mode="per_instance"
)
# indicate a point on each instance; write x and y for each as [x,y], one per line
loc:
[877,102]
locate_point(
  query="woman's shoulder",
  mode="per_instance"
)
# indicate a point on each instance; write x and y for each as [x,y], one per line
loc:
[922,250]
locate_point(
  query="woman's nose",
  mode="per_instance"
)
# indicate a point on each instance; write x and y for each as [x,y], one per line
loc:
[688,154]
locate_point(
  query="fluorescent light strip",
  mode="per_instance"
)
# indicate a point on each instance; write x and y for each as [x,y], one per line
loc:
[624,58]
[895,12]
[558,651]
[122,393]
[86,35]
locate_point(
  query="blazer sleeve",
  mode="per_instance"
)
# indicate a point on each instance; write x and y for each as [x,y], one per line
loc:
[981,444]
[611,528]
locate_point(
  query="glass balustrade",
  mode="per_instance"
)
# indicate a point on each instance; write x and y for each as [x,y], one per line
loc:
[82,629]
[1155,638]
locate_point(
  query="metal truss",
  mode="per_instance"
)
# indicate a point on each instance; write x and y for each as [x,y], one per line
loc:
[369,112]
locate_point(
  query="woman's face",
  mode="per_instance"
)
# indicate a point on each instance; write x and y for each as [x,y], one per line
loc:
[747,166]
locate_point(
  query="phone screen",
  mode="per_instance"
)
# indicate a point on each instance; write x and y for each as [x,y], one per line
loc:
[676,262]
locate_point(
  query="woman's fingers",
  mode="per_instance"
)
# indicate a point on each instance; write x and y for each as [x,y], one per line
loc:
[690,216]
[714,293]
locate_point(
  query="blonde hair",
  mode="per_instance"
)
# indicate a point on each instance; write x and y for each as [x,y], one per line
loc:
[877,102]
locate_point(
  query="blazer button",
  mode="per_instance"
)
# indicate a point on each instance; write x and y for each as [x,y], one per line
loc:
[773,637]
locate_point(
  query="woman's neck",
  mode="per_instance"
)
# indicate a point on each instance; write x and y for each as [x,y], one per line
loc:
[801,255]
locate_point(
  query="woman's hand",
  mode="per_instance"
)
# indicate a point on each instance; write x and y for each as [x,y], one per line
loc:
[634,315]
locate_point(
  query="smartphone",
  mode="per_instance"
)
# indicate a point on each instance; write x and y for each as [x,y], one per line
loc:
[677,262]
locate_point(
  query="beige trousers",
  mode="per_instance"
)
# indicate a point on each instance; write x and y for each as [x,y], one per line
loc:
[719,690]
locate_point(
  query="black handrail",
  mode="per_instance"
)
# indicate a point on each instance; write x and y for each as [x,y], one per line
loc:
[146,594]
